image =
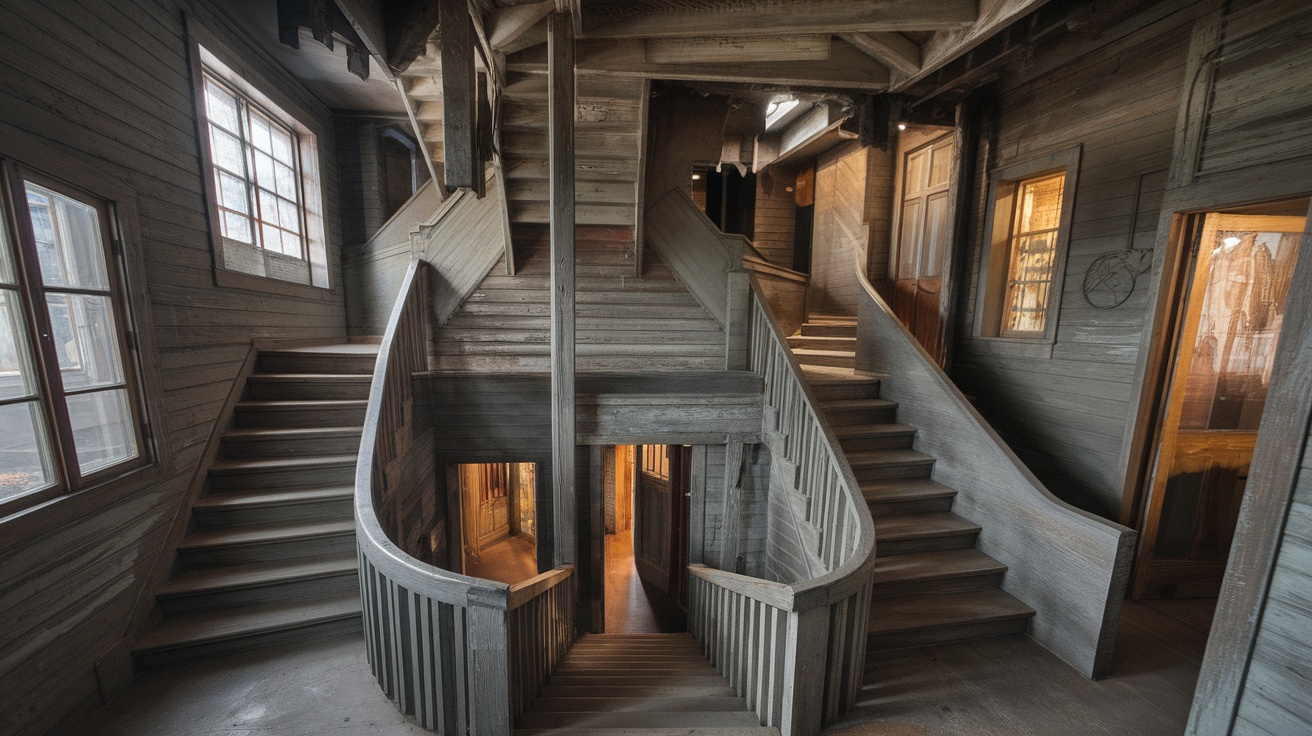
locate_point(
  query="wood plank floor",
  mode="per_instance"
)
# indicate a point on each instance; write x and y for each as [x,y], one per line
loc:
[1003,687]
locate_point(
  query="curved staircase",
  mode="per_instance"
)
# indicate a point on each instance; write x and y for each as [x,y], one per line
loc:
[270,553]
[931,584]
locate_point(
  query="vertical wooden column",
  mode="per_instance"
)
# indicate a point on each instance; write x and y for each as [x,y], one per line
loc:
[460,161]
[560,156]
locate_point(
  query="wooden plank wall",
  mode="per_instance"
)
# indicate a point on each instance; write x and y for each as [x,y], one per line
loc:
[776,214]
[879,217]
[838,242]
[108,84]
[374,268]
[1066,414]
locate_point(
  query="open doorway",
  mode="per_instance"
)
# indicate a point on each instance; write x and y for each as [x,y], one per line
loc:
[499,520]
[1229,314]
[645,524]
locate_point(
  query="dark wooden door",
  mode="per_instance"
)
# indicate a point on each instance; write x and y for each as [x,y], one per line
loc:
[1231,322]
[660,517]
[922,243]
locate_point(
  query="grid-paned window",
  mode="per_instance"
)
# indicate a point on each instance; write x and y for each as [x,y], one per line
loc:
[68,406]
[256,173]
[1032,247]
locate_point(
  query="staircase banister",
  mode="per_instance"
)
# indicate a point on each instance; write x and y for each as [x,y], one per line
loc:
[1069,564]
[526,590]
[769,592]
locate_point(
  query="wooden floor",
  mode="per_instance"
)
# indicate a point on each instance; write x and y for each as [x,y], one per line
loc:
[1003,687]
[633,607]
[512,560]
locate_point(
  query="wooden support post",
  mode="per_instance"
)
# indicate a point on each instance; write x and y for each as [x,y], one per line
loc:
[805,652]
[733,472]
[560,101]
[597,537]
[460,166]
[489,666]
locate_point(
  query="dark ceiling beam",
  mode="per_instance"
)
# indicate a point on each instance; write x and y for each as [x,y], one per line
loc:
[893,50]
[846,68]
[460,159]
[366,16]
[672,18]
[505,25]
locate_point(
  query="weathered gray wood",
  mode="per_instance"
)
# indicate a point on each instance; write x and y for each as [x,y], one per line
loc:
[773,18]
[737,49]
[946,45]
[461,161]
[560,76]
[891,49]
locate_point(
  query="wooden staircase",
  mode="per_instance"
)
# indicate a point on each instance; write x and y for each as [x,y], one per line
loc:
[931,584]
[270,555]
[639,685]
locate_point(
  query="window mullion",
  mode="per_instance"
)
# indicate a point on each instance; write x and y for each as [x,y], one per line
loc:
[248,158]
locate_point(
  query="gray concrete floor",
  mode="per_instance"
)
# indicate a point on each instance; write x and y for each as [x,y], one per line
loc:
[1000,687]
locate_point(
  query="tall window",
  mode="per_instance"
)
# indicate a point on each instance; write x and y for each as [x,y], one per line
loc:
[68,403]
[1032,248]
[262,169]
[1024,259]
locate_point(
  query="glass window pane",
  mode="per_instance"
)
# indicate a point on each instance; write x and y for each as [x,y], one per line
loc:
[264,170]
[68,240]
[941,167]
[272,238]
[268,207]
[291,244]
[226,150]
[915,175]
[260,133]
[17,377]
[85,340]
[906,251]
[287,216]
[282,146]
[6,253]
[220,106]
[237,227]
[936,230]
[102,429]
[233,193]
[1040,204]
[286,181]
[25,464]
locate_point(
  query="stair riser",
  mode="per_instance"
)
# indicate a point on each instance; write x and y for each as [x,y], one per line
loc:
[323,510]
[810,330]
[294,447]
[836,392]
[670,719]
[878,442]
[944,634]
[258,390]
[841,417]
[971,584]
[306,589]
[248,644]
[822,343]
[884,548]
[331,416]
[362,364]
[838,360]
[916,506]
[265,552]
[283,478]
[892,472]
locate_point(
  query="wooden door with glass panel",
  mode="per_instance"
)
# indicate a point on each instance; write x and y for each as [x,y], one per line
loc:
[922,241]
[660,517]
[1232,316]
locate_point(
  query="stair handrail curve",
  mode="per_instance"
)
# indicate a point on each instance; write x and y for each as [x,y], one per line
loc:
[459,653]
[795,651]
[1067,564]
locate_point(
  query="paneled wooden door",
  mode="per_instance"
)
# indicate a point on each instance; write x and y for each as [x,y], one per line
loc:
[1232,316]
[922,242]
[660,517]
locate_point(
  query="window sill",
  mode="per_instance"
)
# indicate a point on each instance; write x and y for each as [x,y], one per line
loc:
[107,490]
[237,280]
[1012,347]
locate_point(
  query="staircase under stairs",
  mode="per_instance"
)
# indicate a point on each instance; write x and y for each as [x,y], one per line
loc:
[931,584]
[270,555]
[639,685]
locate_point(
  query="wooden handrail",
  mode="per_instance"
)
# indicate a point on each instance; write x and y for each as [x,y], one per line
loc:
[459,653]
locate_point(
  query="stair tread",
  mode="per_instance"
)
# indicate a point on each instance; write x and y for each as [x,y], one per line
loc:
[904,489]
[924,612]
[819,352]
[266,533]
[856,404]
[188,630]
[322,377]
[302,404]
[206,579]
[830,375]
[922,566]
[285,433]
[921,526]
[855,431]
[639,704]
[643,719]
[888,456]
[653,731]
[246,464]
[273,497]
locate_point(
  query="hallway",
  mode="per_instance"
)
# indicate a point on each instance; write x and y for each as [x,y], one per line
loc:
[632,606]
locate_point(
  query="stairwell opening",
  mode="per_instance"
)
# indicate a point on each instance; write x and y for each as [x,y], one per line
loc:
[498,513]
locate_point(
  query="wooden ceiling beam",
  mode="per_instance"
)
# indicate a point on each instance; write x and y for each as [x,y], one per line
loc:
[508,24]
[946,45]
[846,68]
[738,49]
[675,18]
[893,50]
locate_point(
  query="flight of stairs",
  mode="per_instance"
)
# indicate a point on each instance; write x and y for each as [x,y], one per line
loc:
[639,685]
[931,584]
[270,555]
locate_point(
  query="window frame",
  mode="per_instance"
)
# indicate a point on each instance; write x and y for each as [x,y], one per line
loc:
[210,56]
[113,213]
[995,254]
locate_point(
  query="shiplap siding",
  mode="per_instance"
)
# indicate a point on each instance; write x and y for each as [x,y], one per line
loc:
[776,214]
[880,184]
[839,235]
[108,84]
[1066,415]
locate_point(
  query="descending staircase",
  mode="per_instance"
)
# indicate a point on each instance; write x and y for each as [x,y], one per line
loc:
[270,554]
[639,685]
[931,584]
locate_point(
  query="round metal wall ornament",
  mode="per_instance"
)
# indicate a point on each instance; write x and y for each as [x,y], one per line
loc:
[1111,277]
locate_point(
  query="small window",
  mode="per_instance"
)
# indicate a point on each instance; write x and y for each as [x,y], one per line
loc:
[69,403]
[263,182]
[1025,257]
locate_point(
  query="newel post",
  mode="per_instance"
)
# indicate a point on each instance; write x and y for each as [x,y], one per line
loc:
[805,650]
[489,665]
[738,325]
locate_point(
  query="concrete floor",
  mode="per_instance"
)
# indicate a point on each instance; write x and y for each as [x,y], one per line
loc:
[1001,687]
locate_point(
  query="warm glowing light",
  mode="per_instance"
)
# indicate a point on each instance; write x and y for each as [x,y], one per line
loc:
[695,177]
[1230,242]
[901,126]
